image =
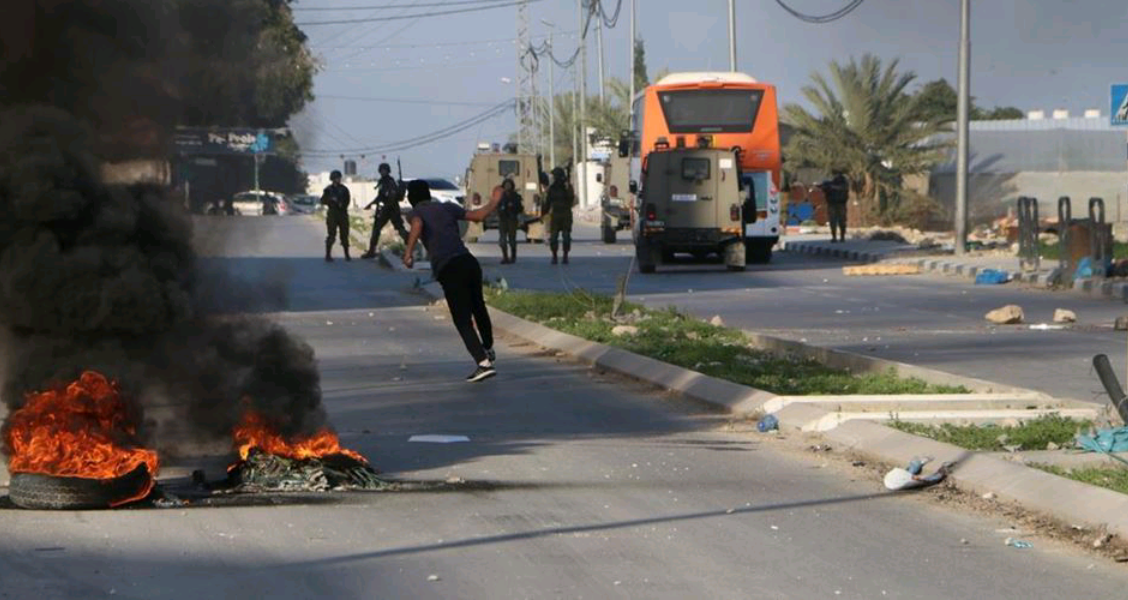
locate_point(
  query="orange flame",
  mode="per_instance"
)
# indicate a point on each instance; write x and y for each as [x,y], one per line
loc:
[256,432]
[82,430]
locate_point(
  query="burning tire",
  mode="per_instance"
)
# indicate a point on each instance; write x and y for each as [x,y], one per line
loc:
[48,492]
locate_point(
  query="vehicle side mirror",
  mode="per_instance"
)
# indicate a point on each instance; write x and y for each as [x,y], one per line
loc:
[624,147]
[633,186]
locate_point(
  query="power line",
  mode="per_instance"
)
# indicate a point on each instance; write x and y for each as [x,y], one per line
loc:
[441,44]
[434,136]
[390,6]
[414,16]
[418,67]
[819,19]
[406,101]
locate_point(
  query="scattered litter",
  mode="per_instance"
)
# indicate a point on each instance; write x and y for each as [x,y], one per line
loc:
[372,314]
[841,312]
[1105,440]
[1121,324]
[328,322]
[717,321]
[624,330]
[1017,543]
[1102,541]
[820,448]
[964,542]
[989,496]
[1084,269]
[433,578]
[438,439]
[858,463]
[905,478]
[1052,446]
[992,277]
[1046,327]
[455,480]
[768,423]
[774,528]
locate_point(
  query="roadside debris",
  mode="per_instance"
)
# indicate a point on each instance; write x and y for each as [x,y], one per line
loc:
[1062,315]
[717,321]
[882,270]
[991,277]
[1121,324]
[1047,327]
[624,330]
[1102,541]
[910,477]
[1010,314]
[768,423]
[1017,543]
[438,439]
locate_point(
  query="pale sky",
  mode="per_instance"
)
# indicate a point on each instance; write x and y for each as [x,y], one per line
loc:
[1033,54]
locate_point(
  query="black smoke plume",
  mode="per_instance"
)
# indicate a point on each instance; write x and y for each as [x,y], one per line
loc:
[102,275]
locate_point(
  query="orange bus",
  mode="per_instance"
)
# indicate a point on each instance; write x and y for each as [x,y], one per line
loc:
[730,110]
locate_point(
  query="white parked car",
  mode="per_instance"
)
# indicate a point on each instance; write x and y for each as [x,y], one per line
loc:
[442,190]
[259,202]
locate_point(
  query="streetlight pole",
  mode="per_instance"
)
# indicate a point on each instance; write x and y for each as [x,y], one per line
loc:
[583,109]
[599,44]
[551,95]
[732,35]
[962,109]
[634,43]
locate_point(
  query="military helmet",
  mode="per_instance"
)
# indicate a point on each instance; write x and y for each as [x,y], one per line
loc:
[385,168]
[335,174]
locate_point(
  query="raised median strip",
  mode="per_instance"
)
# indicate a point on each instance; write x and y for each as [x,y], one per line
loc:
[952,266]
[1068,501]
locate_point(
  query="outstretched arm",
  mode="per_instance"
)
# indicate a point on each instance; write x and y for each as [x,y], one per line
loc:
[480,214]
[412,239]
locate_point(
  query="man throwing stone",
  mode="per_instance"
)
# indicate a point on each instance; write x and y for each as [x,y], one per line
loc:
[436,223]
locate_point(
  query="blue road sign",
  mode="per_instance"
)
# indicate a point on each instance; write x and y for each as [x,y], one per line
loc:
[1118,110]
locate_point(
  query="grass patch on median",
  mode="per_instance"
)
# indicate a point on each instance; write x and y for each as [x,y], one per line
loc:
[1052,251]
[1113,478]
[1035,434]
[674,337]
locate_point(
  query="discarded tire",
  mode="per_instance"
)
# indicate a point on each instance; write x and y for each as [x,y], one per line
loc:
[48,492]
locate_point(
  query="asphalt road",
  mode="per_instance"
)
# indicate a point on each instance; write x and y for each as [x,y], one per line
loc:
[930,320]
[577,486]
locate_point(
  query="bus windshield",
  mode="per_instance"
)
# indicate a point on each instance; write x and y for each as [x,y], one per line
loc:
[710,111]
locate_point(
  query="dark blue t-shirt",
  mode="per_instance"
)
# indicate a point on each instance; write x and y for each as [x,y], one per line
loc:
[441,236]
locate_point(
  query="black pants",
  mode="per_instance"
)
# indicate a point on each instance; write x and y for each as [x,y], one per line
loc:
[337,223]
[461,279]
[383,216]
[836,213]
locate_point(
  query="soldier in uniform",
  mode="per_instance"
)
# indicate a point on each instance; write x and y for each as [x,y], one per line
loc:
[336,198]
[387,202]
[559,203]
[509,211]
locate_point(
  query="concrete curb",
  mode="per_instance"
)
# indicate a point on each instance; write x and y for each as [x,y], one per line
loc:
[1071,502]
[946,266]
[1068,501]
[950,266]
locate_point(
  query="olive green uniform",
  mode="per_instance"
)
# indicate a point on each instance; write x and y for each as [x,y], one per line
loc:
[336,198]
[559,202]
[509,212]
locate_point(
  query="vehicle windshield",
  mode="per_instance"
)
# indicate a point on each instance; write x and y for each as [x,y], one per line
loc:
[441,184]
[710,111]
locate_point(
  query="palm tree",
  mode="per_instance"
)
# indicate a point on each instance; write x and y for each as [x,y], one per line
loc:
[867,126]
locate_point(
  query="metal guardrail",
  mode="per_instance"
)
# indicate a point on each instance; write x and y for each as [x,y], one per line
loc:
[1028,229]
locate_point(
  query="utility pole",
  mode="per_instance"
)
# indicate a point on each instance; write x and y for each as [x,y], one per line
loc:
[582,162]
[634,44]
[962,109]
[732,35]
[602,73]
[551,95]
[526,85]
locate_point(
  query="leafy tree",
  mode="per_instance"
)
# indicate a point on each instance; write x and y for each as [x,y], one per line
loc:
[868,126]
[641,79]
[248,63]
[1002,113]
